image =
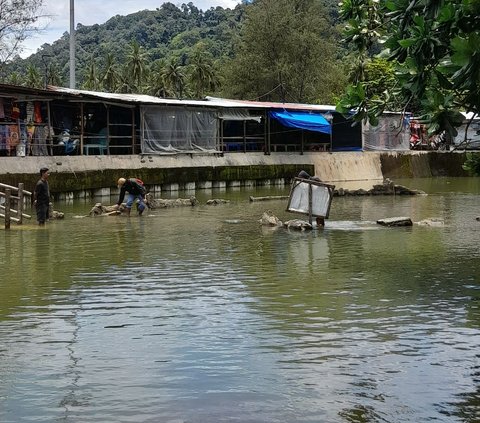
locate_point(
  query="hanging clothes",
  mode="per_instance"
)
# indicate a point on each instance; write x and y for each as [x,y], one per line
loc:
[39,144]
[15,111]
[23,110]
[37,112]
[22,147]
[30,112]
[30,128]
[13,136]
[3,137]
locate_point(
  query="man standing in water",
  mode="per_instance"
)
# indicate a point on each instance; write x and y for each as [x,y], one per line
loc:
[136,190]
[41,197]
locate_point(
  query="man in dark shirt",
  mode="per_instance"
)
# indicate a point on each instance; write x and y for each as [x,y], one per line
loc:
[136,190]
[41,197]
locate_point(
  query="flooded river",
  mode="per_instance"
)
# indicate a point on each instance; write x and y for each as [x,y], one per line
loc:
[201,315]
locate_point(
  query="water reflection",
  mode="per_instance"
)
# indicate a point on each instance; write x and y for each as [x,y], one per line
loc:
[200,315]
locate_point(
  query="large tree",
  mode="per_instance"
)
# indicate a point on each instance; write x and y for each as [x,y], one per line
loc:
[435,45]
[17,20]
[286,53]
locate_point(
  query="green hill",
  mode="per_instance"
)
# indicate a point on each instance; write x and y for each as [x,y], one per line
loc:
[187,52]
[164,33]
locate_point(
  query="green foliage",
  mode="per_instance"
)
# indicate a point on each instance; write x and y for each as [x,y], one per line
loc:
[373,88]
[17,20]
[174,78]
[34,79]
[167,33]
[472,164]
[286,52]
[91,81]
[436,48]
[111,77]
[289,50]
[54,75]
[136,68]
[202,75]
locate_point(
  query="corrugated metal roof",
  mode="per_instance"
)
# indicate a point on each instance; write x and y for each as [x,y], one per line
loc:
[18,91]
[129,98]
[274,105]
[209,102]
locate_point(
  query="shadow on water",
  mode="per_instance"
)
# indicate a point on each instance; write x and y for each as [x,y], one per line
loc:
[200,314]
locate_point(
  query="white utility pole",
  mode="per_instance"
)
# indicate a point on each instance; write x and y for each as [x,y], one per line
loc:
[72,45]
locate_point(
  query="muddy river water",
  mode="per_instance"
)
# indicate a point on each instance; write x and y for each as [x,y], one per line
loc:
[201,315]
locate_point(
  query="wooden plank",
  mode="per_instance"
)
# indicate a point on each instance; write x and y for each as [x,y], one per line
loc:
[12,188]
[11,218]
[27,216]
[270,197]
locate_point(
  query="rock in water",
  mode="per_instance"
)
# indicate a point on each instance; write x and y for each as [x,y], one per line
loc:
[269,219]
[100,210]
[395,221]
[298,225]
[57,215]
[432,221]
[215,201]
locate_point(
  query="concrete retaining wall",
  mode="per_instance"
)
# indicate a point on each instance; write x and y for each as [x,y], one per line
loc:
[83,176]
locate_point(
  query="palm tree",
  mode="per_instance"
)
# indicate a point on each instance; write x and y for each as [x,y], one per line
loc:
[54,76]
[33,79]
[202,74]
[174,77]
[111,77]
[91,81]
[136,66]
[157,84]
[14,78]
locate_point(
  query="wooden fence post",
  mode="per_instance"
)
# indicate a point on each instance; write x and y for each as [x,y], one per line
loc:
[7,208]
[20,203]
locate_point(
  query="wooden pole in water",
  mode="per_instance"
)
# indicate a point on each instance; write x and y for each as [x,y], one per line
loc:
[310,203]
[7,208]
[20,203]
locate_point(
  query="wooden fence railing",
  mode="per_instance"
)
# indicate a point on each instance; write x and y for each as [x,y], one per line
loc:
[12,204]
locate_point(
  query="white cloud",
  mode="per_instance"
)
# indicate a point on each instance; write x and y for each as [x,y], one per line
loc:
[90,12]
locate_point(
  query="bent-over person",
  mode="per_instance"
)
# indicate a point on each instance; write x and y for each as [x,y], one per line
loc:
[136,190]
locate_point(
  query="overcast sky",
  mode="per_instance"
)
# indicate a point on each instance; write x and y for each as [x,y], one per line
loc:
[89,12]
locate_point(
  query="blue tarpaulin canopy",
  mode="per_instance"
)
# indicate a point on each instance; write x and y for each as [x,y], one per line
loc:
[303,120]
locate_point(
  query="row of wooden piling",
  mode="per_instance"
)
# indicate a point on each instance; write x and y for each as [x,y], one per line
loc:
[13,206]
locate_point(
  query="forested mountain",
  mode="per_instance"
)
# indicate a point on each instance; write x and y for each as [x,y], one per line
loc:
[186,52]
[166,32]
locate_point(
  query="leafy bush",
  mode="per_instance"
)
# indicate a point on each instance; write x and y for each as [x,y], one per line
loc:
[472,164]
